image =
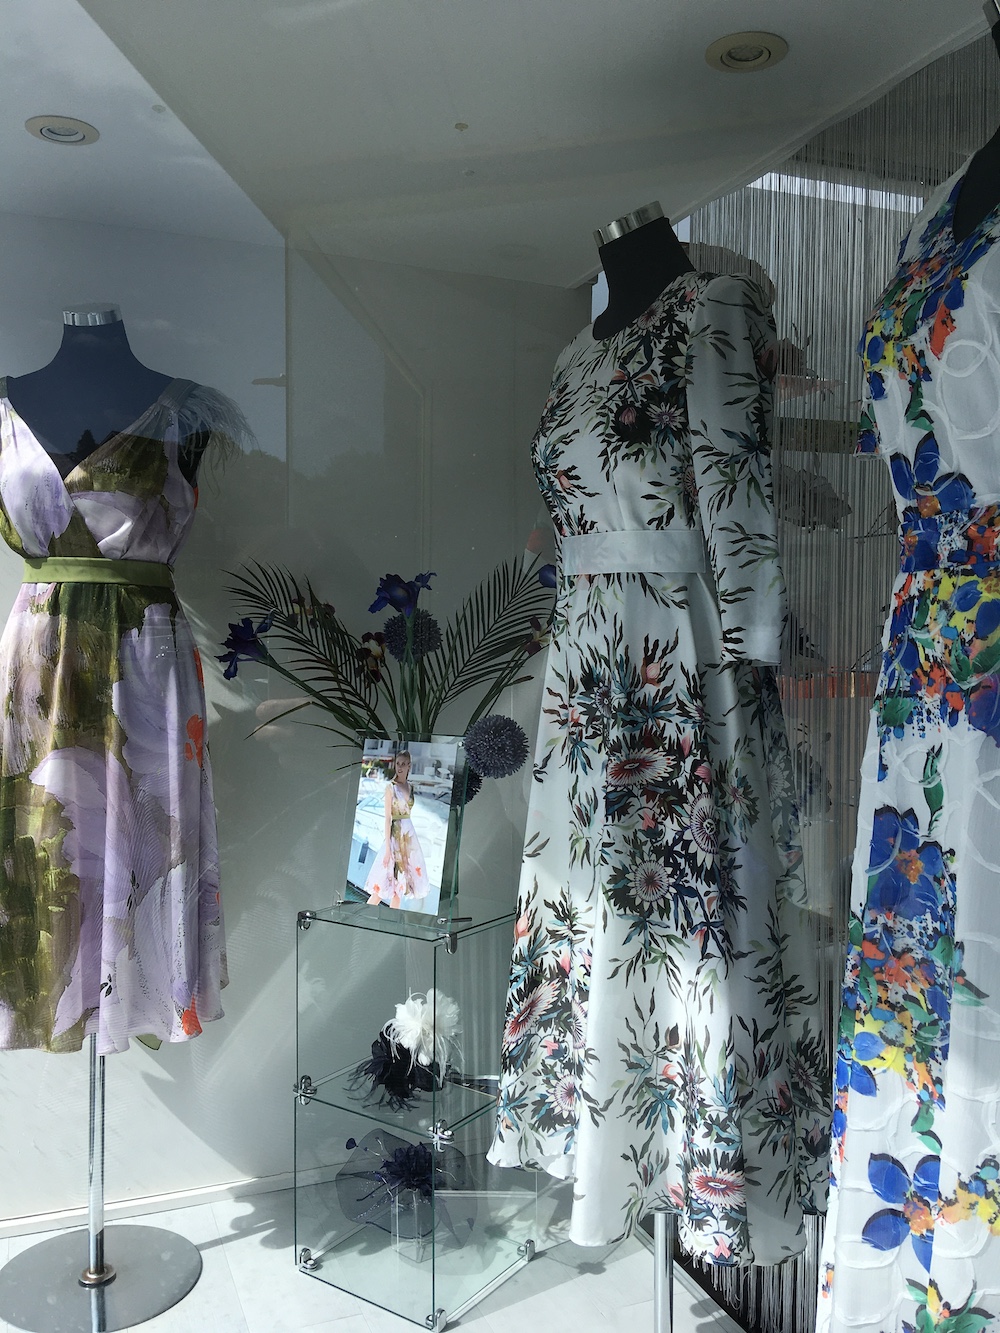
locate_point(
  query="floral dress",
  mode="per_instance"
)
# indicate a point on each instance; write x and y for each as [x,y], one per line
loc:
[661,1045]
[405,876]
[110,921]
[913,1235]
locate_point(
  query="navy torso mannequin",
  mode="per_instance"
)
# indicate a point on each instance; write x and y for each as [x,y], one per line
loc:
[980,192]
[93,388]
[640,256]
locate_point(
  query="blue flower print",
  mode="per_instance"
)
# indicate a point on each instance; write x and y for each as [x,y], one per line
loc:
[984,706]
[906,871]
[928,492]
[916,1200]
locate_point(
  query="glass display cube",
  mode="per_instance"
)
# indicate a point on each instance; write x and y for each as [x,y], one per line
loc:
[394,1199]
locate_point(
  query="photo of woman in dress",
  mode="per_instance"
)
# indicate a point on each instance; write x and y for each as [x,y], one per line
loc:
[399,873]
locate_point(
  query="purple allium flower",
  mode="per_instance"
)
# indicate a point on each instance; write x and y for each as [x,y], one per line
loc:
[244,644]
[473,784]
[395,591]
[496,746]
[426,635]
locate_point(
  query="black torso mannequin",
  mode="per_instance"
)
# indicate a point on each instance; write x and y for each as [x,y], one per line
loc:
[980,192]
[92,389]
[638,264]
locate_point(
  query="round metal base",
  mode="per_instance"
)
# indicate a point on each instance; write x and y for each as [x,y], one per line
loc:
[40,1288]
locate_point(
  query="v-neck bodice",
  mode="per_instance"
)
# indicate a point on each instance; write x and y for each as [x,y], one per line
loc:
[127,500]
[110,919]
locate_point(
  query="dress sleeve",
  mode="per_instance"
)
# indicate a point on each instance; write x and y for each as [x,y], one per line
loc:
[731,364]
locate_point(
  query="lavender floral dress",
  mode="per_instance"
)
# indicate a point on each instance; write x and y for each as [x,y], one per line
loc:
[110,920]
[661,1044]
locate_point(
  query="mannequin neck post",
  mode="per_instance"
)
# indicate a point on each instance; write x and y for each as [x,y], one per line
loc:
[638,266]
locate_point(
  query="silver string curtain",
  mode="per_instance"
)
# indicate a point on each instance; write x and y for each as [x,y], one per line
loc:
[825,228]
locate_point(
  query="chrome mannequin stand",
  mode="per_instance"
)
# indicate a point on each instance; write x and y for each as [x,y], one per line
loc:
[65,1284]
[664,1231]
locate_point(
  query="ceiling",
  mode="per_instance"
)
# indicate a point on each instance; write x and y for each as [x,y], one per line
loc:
[147,169]
[340,118]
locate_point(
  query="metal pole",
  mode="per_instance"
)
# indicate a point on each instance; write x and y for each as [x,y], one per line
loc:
[97,1272]
[664,1224]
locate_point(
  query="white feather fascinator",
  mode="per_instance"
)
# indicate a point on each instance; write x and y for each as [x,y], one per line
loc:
[427,1026]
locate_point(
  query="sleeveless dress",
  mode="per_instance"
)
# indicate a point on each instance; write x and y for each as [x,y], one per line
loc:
[110,919]
[913,1233]
[405,877]
[661,1045]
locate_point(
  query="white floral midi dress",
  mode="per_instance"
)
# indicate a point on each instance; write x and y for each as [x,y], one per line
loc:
[913,1234]
[110,918]
[661,1046]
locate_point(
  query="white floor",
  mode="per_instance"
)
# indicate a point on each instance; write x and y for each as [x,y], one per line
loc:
[250,1285]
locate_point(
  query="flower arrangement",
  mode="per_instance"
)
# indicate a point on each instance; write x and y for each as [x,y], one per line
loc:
[398,679]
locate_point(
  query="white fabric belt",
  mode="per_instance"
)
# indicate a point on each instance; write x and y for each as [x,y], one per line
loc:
[642,551]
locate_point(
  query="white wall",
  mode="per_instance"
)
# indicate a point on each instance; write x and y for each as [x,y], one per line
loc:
[413,399]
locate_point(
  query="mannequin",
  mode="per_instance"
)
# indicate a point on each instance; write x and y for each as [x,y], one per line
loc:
[93,388]
[980,192]
[640,256]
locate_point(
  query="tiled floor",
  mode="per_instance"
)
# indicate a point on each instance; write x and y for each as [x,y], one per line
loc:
[250,1285]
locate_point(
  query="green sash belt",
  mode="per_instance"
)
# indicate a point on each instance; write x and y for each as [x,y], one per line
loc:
[87,569]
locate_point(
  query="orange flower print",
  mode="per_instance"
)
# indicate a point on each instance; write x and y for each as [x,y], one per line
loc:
[198,667]
[189,1020]
[944,327]
[910,865]
[195,746]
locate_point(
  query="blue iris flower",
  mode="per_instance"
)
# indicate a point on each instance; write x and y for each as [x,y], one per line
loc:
[245,644]
[399,593]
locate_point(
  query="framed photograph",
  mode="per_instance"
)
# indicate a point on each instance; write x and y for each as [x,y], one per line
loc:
[407,821]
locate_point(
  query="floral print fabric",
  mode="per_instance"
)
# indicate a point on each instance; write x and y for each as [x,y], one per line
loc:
[661,1044]
[913,1233]
[110,920]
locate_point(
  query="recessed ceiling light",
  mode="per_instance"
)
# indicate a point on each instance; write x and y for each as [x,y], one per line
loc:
[744,52]
[61,129]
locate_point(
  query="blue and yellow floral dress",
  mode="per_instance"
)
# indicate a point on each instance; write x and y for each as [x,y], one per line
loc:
[913,1232]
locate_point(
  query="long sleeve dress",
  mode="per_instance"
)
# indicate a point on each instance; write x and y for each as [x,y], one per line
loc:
[661,1046]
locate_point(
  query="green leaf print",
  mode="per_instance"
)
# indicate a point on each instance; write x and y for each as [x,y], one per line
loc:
[933,787]
[896,710]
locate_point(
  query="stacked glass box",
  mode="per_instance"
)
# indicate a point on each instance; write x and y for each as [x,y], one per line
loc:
[396,1203]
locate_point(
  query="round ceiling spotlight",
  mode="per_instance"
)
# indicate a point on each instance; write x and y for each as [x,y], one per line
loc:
[61,129]
[746,52]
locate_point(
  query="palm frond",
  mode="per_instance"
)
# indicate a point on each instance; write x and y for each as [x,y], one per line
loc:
[490,632]
[485,645]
